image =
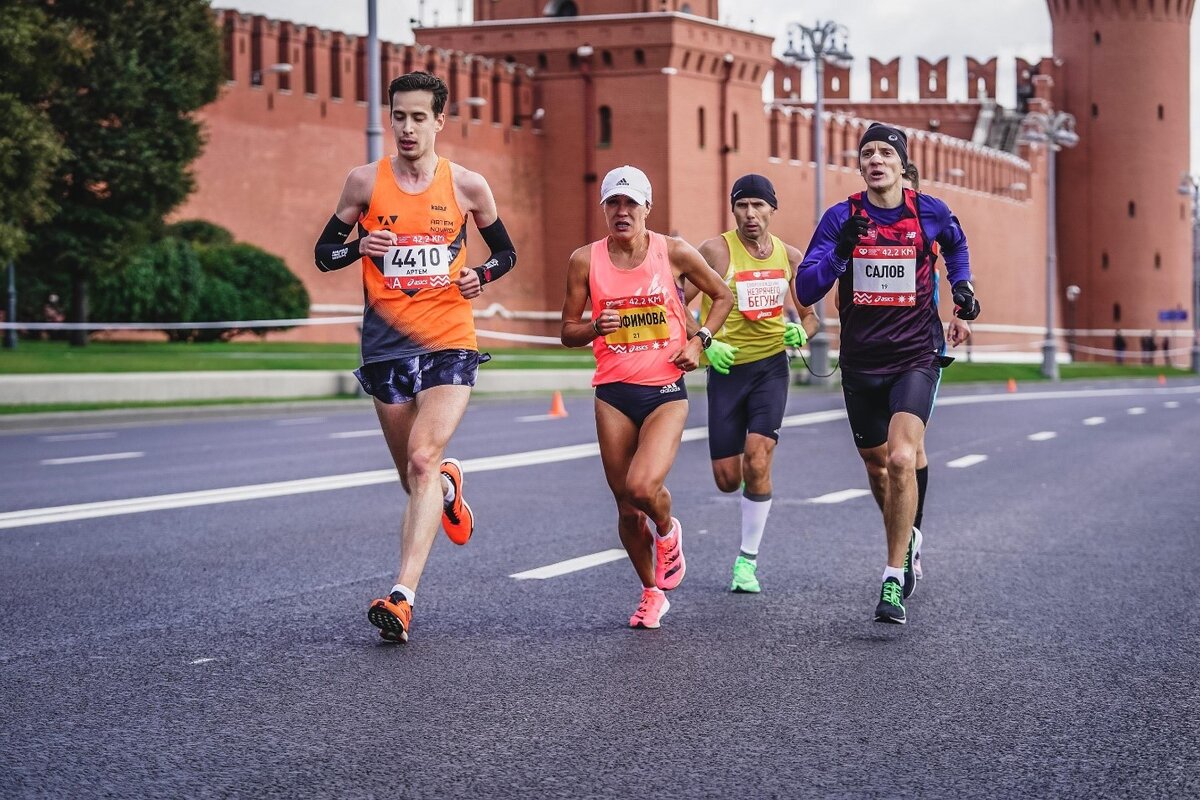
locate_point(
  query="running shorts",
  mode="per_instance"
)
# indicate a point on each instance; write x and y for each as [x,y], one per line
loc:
[750,399]
[636,401]
[871,400]
[401,379]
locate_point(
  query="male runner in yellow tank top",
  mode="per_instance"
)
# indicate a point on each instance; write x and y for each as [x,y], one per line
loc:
[418,339]
[749,376]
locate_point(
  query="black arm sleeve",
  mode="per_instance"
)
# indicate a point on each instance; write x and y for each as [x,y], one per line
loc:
[504,254]
[331,252]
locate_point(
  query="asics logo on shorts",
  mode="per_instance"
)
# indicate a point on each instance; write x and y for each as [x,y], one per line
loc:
[670,387]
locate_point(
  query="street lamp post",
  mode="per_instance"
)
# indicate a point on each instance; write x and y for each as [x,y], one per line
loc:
[826,40]
[1191,186]
[1072,294]
[374,127]
[1056,131]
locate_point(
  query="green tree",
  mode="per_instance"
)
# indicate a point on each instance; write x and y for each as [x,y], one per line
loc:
[126,116]
[242,282]
[30,148]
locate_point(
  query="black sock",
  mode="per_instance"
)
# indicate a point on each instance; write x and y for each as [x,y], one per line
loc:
[748,556]
[922,482]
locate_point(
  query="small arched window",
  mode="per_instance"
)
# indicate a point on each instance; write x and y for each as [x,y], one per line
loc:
[700,125]
[605,135]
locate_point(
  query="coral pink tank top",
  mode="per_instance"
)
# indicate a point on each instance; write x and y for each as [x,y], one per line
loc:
[652,327]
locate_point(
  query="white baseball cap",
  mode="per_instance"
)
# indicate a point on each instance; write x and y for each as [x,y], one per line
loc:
[629,181]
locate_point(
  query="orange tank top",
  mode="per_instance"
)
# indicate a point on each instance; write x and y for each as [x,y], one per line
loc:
[411,306]
[652,328]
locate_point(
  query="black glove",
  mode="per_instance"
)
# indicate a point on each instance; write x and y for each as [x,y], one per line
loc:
[966,306]
[853,229]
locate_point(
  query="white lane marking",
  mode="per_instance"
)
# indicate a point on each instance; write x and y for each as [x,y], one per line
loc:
[1041,436]
[570,565]
[299,421]
[51,462]
[203,660]
[79,437]
[1171,404]
[1094,421]
[536,417]
[967,461]
[356,434]
[839,497]
[1136,411]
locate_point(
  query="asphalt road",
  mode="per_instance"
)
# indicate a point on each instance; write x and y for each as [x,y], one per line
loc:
[169,632]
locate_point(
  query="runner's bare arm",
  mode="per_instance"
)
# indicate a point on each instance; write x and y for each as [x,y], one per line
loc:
[687,263]
[331,251]
[575,331]
[716,252]
[808,317]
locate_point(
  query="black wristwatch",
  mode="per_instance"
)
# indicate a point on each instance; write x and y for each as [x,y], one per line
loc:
[705,338]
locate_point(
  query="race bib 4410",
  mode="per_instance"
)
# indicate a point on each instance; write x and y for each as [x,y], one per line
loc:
[417,261]
[885,275]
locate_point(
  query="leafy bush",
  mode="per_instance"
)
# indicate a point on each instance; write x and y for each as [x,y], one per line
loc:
[199,231]
[242,282]
[161,283]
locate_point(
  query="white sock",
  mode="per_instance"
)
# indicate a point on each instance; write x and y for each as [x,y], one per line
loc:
[447,490]
[408,593]
[894,572]
[754,522]
[654,589]
[661,536]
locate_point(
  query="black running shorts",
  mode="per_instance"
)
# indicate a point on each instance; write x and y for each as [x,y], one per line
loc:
[401,379]
[750,399]
[871,400]
[636,401]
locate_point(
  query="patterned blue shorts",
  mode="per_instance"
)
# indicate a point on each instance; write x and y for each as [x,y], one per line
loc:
[401,379]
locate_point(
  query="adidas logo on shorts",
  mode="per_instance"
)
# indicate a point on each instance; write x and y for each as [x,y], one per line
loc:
[669,388]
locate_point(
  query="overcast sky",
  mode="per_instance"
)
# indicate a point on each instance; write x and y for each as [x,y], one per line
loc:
[930,28]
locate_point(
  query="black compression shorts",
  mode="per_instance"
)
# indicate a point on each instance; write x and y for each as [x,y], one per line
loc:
[750,399]
[636,401]
[871,400]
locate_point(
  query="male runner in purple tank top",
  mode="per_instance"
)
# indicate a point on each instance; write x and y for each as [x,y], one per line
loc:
[877,246]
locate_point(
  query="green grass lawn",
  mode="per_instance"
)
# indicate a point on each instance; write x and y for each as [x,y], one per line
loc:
[40,357]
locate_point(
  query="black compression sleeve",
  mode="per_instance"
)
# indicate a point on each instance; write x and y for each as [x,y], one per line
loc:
[331,251]
[503,256]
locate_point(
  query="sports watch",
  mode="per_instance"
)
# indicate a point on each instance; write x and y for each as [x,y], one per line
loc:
[705,337]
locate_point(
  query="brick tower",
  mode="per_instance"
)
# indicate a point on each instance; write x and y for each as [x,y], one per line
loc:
[1124,230]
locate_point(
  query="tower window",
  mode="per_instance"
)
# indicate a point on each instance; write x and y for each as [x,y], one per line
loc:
[606,57]
[1095,110]
[605,139]
[1160,111]
[736,143]
[639,56]
[1158,260]
[1132,209]
[1116,312]
[883,85]
[700,124]
[835,84]
[543,62]
[1096,37]
[1104,260]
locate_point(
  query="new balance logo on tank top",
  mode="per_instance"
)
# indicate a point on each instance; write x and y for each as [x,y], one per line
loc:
[412,306]
[759,286]
[652,327]
[886,297]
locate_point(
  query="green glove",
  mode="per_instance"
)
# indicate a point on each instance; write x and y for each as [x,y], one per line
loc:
[720,355]
[794,335]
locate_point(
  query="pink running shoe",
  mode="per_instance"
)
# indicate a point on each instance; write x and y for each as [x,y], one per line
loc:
[654,604]
[669,565]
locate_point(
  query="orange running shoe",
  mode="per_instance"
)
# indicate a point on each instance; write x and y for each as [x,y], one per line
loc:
[457,518]
[669,565]
[392,615]
[650,610]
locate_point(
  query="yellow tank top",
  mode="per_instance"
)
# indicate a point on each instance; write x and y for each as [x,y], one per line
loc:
[759,286]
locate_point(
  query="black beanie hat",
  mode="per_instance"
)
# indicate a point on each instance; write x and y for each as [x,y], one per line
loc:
[878,132]
[753,186]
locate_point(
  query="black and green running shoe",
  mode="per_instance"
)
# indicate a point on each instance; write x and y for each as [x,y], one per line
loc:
[910,562]
[891,607]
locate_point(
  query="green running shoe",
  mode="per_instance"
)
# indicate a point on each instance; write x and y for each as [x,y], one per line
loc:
[744,579]
[891,607]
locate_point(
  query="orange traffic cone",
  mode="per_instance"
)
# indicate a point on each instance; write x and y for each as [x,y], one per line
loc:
[1012,384]
[1162,379]
[557,409]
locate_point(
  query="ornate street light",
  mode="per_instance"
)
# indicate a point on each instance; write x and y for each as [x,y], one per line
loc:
[1190,185]
[821,42]
[1055,131]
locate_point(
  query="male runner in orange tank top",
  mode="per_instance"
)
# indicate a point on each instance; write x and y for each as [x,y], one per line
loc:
[418,340]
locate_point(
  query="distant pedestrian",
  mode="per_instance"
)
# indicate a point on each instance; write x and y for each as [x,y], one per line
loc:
[1119,346]
[1148,349]
[1166,348]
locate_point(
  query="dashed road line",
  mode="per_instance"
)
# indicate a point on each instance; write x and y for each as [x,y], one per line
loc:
[356,434]
[967,461]
[1094,421]
[839,497]
[1171,404]
[283,423]
[570,565]
[1041,436]
[79,437]
[54,462]
[1136,411]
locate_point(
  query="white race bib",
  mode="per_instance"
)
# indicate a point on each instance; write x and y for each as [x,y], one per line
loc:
[760,292]
[885,275]
[417,261]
